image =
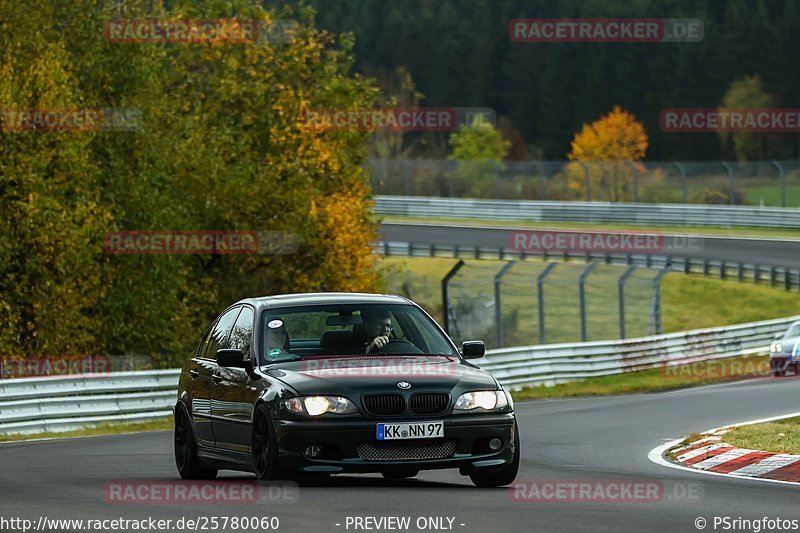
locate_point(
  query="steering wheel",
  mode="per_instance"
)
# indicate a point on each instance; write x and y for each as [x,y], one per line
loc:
[398,346]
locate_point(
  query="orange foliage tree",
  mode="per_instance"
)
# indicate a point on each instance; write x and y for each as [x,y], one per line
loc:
[609,149]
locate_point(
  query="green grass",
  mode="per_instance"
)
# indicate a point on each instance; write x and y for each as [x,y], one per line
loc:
[781,436]
[652,380]
[688,301]
[106,428]
[771,196]
[675,230]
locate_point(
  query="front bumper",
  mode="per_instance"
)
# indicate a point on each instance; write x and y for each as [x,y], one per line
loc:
[340,441]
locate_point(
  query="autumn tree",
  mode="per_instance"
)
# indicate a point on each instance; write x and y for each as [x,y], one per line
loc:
[608,150]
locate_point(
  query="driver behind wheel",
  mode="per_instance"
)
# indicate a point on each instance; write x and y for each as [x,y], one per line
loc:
[277,340]
[378,326]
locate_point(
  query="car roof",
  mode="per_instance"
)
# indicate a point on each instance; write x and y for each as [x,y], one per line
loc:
[322,298]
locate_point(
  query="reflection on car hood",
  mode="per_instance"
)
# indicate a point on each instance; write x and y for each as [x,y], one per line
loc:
[357,375]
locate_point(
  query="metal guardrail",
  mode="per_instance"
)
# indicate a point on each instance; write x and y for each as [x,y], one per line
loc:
[592,212]
[559,363]
[65,403]
[37,405]
[787,278]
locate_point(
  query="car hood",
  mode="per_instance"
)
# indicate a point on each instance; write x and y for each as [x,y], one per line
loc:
[353,376]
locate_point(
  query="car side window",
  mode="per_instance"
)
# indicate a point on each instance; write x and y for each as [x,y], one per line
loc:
[242,333]
[220,335]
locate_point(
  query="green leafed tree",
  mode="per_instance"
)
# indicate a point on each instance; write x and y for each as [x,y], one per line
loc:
[746,93]
[478,151]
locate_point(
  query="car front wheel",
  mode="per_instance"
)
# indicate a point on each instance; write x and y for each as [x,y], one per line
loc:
[264,446]
[503,477]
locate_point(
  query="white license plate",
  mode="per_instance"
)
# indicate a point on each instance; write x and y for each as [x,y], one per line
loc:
[410,430]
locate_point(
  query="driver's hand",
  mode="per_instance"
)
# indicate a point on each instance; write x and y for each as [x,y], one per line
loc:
[378,343]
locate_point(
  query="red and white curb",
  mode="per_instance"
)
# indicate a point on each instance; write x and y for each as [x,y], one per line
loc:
[711,455]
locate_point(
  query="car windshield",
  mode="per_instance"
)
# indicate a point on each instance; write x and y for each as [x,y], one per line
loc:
[353,329]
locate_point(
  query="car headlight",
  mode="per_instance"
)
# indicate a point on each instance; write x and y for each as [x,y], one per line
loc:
[776,347]
[486,400]
[318,405]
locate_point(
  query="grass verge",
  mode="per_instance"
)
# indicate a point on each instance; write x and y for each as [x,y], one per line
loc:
[780,436]
[106,428]
[654,380]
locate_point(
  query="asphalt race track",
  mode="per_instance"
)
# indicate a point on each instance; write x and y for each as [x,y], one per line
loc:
[589,440]
[768,252]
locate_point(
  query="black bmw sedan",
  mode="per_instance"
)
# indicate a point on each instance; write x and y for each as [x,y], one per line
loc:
[340,383]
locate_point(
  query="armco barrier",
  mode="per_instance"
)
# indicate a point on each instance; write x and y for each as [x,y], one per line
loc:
[592,212]
[65,403]
[37,405]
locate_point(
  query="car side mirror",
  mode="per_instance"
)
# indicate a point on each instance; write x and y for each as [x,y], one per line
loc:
[230,357]
[777,336]
[473,349]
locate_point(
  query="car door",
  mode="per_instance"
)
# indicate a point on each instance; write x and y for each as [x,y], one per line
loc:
[232,412]
[204,383]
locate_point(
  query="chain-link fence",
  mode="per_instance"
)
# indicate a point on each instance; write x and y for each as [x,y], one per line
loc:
[520,303]
[767,183]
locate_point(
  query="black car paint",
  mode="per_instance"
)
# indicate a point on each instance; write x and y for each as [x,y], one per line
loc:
[222,402]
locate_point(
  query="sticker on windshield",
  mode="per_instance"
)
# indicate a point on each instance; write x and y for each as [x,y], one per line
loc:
[275,324]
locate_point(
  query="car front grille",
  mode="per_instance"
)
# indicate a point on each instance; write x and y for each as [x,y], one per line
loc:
[385,404]
[410,450]
[429,403]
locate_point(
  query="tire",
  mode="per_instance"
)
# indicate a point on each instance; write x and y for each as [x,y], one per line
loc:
[185,448]
[503,477]
[264,447]
[401,473]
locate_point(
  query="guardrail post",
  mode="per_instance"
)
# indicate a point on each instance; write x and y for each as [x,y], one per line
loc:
[582,297]
[729,170]
[740,271]
[684,188]
[787,280]
[772,276]
[445,298]
[498,318]
[621,298]
[540,294]
[782,177]
[722,267]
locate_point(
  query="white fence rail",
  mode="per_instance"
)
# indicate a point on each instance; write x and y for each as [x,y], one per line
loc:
[594,212]
[54,404]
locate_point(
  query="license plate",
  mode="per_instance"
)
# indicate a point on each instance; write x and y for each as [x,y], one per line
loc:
[410,430]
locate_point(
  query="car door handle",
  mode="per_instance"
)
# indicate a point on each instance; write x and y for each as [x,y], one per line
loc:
[194,373]
[216,378]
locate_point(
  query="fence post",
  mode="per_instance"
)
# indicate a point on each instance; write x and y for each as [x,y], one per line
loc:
[445,299]
[684,189]
[729,169]
[635,182]
[621,298]
[406,178]
[542,191]
[540,294]
[657,299]
[588,181]
[496,180]
[782,178]
[582,297]
[449,168]
[498,317]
